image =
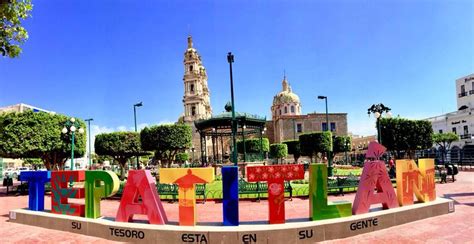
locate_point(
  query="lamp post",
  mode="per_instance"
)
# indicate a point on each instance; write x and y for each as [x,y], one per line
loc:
[230,60]
[136,129]
[327,129]
[70,127]
[378,110]
[89,134]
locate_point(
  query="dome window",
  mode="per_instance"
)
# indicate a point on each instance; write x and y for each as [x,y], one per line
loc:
[286,110]
[292,109]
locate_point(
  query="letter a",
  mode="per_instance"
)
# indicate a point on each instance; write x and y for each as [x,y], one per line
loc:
[374,175]
[141,183]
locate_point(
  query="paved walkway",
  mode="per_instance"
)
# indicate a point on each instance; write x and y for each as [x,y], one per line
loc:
[453,228]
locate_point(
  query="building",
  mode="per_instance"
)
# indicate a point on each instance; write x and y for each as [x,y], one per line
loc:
[460,121]
[21,107]
[196,99]
[288,122]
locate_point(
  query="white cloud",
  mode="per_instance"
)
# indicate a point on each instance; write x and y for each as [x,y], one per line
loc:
[97,129]
[165,122]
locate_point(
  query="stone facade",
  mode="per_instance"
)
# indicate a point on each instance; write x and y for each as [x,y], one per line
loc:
[196,99]
[290,127]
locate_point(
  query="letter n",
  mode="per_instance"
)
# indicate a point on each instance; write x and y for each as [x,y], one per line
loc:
[411,180]
[62,189]
[99,184]
[36,181]
[374,176]
[319,207]
[140,183]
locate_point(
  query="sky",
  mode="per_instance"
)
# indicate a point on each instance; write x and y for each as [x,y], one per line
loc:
[95,59]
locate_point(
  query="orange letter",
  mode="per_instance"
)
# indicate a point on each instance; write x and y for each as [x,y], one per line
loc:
[411,180]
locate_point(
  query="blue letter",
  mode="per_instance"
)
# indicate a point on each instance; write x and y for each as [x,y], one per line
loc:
[36,180]
[230,199]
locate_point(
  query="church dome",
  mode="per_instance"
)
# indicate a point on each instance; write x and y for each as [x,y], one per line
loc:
[286,102]
[286,95]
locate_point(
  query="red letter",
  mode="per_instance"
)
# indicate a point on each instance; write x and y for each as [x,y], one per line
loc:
[275,176]
[60,192]
[141,183]
[374,175]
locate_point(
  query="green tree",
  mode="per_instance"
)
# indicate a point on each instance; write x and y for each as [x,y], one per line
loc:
[341,144]
[34,163]
[12,34]
[38,135]
[181,158]
[316,142]
[121,146]
[444,141]
[293,148]
[403,135]
[278,150]
[254,146]
[166,141]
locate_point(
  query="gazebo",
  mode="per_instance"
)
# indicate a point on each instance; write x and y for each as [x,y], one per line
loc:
[219,126]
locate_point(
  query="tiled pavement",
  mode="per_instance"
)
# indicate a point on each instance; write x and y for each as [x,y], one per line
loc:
[453,228]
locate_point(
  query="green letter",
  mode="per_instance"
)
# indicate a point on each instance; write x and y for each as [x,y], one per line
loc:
[99,184]
[319,208]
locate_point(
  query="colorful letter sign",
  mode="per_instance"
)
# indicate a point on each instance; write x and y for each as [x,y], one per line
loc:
[36,180]
[140,183]
[411,180]
[60,192]
[230,195]
[275,176]
[318,198]
[99,184]
[186,178]
[374,176]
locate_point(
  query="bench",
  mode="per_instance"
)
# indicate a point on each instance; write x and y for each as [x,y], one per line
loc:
[260,188]
[172,190]
[339,184]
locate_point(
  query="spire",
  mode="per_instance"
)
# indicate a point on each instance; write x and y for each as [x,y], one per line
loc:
[190,41]
[284,83]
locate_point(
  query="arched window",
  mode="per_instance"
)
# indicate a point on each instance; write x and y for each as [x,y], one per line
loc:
[280,111]
[292,109]
[191,68]
[191,88]
[193,110]
[286,110]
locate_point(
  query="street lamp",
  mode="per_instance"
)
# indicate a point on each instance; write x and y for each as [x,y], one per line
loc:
[135,118]
[71,127]
[89,128]
[378,110]
[327,129]
[327,116]
[230,60]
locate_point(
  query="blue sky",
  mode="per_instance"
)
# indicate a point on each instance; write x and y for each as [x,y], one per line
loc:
[97,58]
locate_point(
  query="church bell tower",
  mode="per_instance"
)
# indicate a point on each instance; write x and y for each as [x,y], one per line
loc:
[196,92]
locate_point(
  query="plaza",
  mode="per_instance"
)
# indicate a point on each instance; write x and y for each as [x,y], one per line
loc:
[451,228]
[236,122]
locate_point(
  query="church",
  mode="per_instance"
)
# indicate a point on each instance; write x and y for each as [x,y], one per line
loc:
[287,123]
